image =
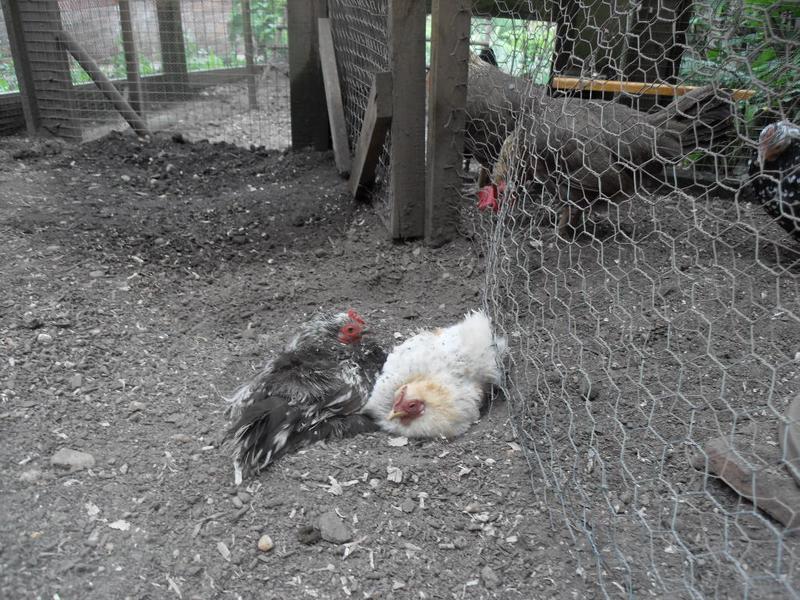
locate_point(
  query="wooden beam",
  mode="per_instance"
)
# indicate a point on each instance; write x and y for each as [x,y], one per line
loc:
[446,117]
[407,162]
[306,88]
[634,87]
[102,82]
[249,54]
[374,127]
[333,96]
[173,50]
[131,57]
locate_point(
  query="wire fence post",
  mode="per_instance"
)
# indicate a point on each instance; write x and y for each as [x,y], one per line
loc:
[249,54]
[406,30]
[173,50]
[131,57]
[450,26]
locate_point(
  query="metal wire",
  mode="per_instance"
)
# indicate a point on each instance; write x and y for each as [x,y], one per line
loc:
[670,321]
[197,84]
[360,37]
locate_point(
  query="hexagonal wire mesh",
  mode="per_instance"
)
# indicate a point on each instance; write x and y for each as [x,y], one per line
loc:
[650,300]
[360,37]
[191,60]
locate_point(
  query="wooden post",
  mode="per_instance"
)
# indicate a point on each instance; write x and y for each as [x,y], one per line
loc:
[131,57]
[249,53]
[333,96]
[407,160]
[22,65]
[306,88]
[42,66]
[103,83]
[173,51]
[446,117]
[374,127]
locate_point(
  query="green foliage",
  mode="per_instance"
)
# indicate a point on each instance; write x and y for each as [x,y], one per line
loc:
[522,48]
[750,44]
[266,18]
[8,76]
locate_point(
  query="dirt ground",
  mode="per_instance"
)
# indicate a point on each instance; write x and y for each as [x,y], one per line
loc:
[143,281]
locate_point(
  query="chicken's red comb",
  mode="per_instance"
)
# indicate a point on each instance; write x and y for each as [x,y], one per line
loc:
[487,199]
[355,316]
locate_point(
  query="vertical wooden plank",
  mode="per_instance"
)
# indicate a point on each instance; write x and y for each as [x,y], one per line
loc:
[22,65]
[131,57]
[309,114]
[333,96]
[47,61]
[372,137]
[249,54]
[173,50]
[446,117]
[407,160]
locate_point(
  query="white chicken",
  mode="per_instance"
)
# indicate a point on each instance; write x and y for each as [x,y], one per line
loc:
[434,383]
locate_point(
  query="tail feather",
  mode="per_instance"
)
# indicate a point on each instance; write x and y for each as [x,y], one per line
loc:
[262,433]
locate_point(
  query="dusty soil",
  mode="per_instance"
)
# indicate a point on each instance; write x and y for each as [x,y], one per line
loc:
[218,113]
[143,281]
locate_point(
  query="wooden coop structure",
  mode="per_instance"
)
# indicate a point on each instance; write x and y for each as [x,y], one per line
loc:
[617,49]
[404,132]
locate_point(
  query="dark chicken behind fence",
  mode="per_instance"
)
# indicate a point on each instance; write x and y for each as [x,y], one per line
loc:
[313,390]
[774,174]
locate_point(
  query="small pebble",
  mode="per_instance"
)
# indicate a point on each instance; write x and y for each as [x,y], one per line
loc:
[30,476]
[96,274]
[333,530]
[181,437]
[126,178]
[72,459]
[75,381]
[265,543]
[44,338]
[490,578]
[237,502]
[408,505]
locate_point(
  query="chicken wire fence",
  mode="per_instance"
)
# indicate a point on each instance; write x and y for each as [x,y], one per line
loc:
[360,37]
[653,336]
[188,56]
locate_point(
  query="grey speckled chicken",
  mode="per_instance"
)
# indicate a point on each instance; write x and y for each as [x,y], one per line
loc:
[775,174]
[314,389]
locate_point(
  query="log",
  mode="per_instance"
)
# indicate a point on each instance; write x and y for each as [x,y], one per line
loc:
[754,469]
[790,438]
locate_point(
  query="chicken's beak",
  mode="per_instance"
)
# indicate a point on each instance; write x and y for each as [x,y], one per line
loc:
[397,414]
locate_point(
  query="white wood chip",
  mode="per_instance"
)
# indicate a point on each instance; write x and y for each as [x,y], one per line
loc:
[398,441]
[121,525]
[394,474]
[223,550]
